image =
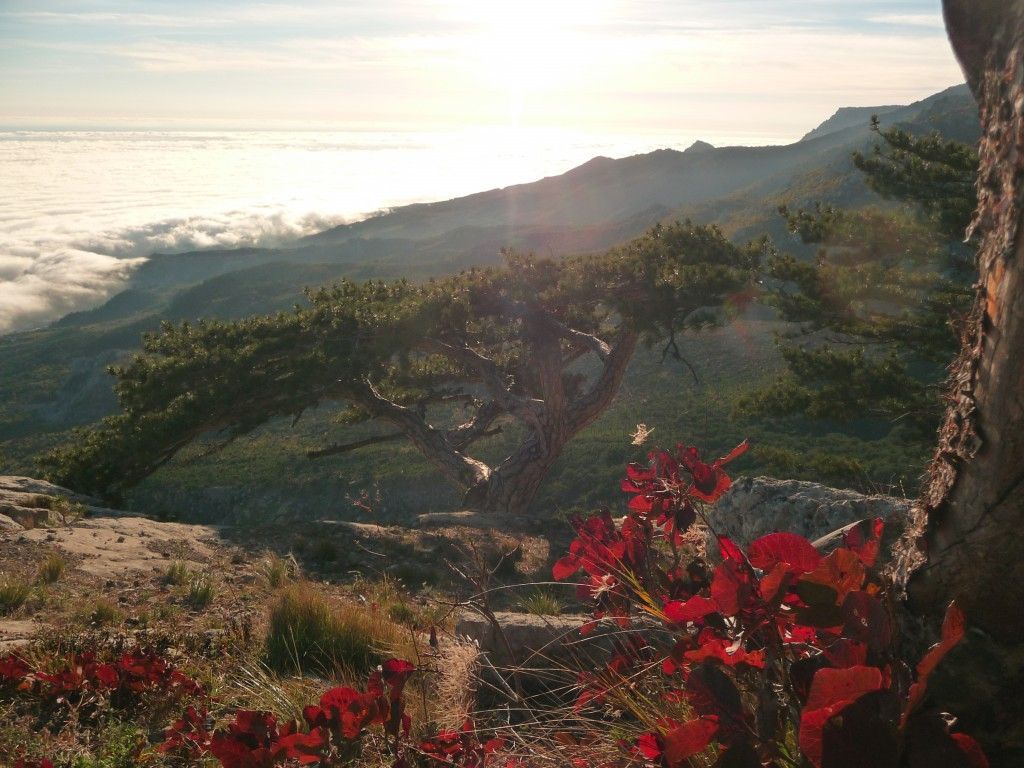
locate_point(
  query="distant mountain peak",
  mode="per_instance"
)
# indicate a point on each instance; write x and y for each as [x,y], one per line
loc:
[699,146]
[849,117]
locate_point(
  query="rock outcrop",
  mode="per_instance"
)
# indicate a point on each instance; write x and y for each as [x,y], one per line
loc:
[754,506]
[525,639]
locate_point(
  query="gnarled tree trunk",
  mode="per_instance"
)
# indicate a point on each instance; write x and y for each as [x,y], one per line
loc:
[972,507]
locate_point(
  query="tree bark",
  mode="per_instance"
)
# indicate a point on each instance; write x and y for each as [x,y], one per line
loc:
[512,485]
[971,513]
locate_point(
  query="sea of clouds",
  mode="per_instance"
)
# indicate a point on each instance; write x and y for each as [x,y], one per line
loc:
[82,209]
[44,277]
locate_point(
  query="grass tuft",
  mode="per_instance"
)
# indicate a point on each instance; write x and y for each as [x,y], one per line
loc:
[52,568]
[13,593]
[177,574]
[200,592]
[309,634]
[276,571]
[542,602]
[104,612]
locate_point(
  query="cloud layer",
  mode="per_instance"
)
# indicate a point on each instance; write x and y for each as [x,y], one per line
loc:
[81,210]
[44,279]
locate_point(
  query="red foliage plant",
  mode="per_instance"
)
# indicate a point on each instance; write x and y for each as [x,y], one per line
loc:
[781,655]
[774,656]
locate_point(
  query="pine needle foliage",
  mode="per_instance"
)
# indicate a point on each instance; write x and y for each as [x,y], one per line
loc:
[876,313]
[488,347]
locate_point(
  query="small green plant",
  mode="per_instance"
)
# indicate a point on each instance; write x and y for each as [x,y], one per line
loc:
[177,574]
[307,633]
[65,508]
[276,571]
[104,612]
[200,592]
[52,568]
[13,593]
[118,745]
[542,602]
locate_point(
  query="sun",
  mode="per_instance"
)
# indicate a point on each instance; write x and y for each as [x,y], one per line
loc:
[529,47]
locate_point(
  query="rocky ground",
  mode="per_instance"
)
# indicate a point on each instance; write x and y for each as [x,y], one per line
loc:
[138,574]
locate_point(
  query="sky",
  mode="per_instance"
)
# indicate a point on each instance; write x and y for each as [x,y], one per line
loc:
[601,65]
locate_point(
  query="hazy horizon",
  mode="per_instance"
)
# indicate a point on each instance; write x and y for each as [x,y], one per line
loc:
[600,65]
[178,125]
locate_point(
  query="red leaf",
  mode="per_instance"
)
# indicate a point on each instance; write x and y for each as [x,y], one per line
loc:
[730,587]
[735,453]
[864,539]
[970,748]
[788,548]
[773,581]
[648,745]
[709,483]
[306,748]
[719,649]
[831,691]
[842,570]
[565,568]
[696,607]
[729,550]
[687,739]
[953,629]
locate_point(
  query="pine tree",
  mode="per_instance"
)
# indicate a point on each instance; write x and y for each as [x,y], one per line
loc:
[876,313]
[442,364]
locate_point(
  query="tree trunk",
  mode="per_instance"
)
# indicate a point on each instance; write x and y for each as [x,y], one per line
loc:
[972,507]
[511,487]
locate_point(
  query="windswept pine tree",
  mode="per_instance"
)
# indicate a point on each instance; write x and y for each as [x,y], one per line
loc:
[877,312]
[441,364]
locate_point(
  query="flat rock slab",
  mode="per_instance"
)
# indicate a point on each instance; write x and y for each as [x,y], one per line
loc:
[533,640]
[755,506]
[16,632]
[109,546]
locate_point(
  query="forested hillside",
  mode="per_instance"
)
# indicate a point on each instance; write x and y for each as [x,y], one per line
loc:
[54,378]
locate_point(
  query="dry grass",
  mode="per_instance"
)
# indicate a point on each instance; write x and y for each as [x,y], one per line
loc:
[13,593]
[308,633]
[51,569]
[457,666]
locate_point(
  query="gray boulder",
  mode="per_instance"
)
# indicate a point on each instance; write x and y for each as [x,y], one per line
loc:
[755,506]
[532,641]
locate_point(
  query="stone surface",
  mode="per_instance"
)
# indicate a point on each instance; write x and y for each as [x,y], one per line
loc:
[533,640]
[9,526]
[755,506]
[110,546]
[15,633]
[33,503]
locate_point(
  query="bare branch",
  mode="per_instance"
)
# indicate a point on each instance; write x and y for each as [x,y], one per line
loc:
[527,409]
[463,470]
[334,450]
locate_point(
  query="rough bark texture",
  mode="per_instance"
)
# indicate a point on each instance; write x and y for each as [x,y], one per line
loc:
[972,509]
[512,485]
